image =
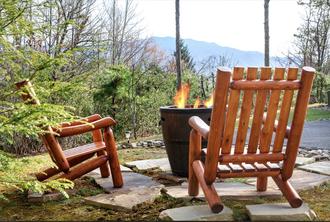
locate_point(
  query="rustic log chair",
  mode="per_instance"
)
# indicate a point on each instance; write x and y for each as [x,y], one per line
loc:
[72,163]
[262,157]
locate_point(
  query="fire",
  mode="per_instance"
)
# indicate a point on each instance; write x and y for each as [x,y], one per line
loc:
[181,96]
[209,102]
[197,103]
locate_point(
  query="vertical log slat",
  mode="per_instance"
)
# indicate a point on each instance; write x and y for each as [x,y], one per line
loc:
[268,127]
[258,113]
[245,113]
[231,113]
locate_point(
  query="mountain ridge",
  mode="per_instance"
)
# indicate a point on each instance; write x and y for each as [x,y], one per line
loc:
[200,50]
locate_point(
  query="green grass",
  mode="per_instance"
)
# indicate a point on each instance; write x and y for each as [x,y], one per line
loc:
[317,114]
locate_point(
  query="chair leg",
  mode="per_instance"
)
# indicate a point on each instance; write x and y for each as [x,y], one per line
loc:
[44,175]
[262,184]
[113,158]
[85,168]
[105,172]
[194,154]
[210,193]
[288,191]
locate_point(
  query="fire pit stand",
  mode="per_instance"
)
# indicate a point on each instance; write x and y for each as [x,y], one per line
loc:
[176,131]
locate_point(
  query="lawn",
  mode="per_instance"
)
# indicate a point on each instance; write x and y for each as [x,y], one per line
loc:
[74,208]
[317,114]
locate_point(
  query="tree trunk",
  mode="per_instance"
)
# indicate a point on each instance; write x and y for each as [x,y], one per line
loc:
[266,27]
[178,49]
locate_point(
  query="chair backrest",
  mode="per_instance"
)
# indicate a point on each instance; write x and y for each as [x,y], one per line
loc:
[260,101]
[49,140]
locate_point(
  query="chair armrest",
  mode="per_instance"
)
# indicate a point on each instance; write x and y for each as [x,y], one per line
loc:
[200,126]
[88,119]
[287,131]
[84,128]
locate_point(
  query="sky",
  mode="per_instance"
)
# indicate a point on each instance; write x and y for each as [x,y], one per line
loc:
[232,23]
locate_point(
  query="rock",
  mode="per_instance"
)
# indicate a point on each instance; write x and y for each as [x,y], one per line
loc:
[304,160]
[312,99]
[157,144]
[134,145]
[45,197]
[171,177]
[126,200]
[280,212]
[321,157]
[196,213]
[322,167]
[149,143]
[161,163]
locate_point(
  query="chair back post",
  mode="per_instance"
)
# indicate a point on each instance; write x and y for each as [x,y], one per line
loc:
[217,123]
[49,140]
[297,124]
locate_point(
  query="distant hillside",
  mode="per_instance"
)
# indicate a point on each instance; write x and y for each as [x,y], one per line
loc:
[201,50]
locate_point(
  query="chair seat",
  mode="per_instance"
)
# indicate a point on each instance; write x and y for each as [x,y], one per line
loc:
[247,170]
[84,150]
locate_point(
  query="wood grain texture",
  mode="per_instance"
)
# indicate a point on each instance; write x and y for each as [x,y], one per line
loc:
[268,126]
[231,113]
[265,84]
[217,124]
[282,130]
[195,148]
[245,113]
[258,113]
[307,77]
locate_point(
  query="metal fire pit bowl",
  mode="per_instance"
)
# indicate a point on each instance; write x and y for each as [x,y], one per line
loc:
[175,128]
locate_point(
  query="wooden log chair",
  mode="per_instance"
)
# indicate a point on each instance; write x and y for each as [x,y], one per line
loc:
[263,156]
[75,162]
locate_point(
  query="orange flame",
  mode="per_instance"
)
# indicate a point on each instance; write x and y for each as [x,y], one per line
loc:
[197,103]
[181,96]
[209,102]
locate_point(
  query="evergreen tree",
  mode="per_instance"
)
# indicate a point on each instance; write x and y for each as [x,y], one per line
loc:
[186,58]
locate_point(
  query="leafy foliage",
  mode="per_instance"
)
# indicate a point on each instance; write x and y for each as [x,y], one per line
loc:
[11,177]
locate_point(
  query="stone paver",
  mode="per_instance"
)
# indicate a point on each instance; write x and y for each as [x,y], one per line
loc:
[122,169]
[233,190]
[300,180]
[280,212]
[137,189]
[161,163]
[196,213]
[125,201]
[322,167]
[131,180]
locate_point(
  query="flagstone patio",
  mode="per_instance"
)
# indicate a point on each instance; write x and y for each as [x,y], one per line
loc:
[139,188]
[309,173]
